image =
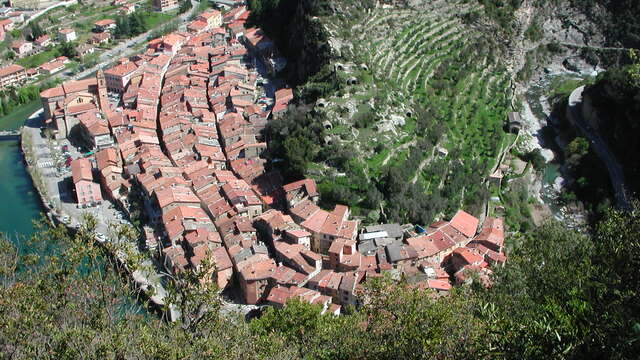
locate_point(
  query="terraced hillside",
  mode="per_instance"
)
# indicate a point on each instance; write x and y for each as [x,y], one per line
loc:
[421,105]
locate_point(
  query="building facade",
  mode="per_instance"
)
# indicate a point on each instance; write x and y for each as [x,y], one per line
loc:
[12,75]
[165,5]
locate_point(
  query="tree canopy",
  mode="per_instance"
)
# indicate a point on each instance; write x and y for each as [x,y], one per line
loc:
[561,295]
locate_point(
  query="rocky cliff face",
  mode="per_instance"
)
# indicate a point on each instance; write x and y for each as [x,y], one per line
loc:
[308,42]
[613,110]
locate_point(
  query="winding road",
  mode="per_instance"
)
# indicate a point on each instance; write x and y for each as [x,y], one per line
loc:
[126,48]
[600,146]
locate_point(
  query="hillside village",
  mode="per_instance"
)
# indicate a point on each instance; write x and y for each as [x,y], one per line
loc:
[71,36]
[182,127]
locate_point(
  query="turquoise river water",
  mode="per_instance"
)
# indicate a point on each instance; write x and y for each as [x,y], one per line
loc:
[19,200]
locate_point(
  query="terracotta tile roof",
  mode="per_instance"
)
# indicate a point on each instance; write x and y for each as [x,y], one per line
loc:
[122,69]
[438,285]
[105,22]
[454,234]
[334,281]
[331,225]
[78,109]
[468,255]
[423,246]
[260,270]
[173,39]
[465,223]
[315,222]
[279,107]
[210,14]
[74,86]
[197,25]
[176,194]
[284,95]
[298,233]
[183,212]
[50,66]
[308,184]
[441,240]
[222,259]
[81,170]
[107,157]
[305,209]
[348,229]
[12,69]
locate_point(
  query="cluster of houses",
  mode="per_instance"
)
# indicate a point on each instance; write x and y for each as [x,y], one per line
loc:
[9,19]
[186,135]
[15,75]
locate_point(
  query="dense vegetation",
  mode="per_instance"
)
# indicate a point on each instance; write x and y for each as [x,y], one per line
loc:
[450,93]
[617,19]
[131,25]
[619,22]
[562,295]
[615,96]
[300,38]
[12,98]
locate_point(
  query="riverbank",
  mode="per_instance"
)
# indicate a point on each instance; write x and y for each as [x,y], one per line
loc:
[16,118]
[49,185]
[538,122]
[21,204]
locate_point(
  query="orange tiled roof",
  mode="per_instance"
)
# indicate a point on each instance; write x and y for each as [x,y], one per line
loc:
[464,222]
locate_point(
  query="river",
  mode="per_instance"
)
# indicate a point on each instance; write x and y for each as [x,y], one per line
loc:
[20,202]
[537,116]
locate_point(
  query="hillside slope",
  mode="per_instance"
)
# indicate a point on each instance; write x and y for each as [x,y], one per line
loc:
[412,107]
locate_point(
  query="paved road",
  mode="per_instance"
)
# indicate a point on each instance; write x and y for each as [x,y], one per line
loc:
[616,174]
[39,13]
[47,154]
[126,48]
[57,181]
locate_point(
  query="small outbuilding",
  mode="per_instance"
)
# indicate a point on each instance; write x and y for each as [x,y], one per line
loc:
[514,123]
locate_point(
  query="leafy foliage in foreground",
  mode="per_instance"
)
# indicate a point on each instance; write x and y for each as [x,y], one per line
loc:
[563,295]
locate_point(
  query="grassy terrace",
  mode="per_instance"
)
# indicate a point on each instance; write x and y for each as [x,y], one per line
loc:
[38,59]
[16,118]
[427,63]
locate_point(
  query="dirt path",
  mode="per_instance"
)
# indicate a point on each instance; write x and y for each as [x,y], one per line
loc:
[424,163]
[393,151]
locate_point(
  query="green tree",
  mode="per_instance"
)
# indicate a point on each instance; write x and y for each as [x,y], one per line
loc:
[68,49]
[256,7]
[568,295]
[35,30]
[300,152]
[123,27]
[185,5]
[536,159]
[137,23]
[576,150]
